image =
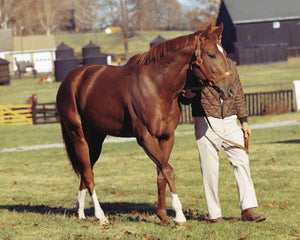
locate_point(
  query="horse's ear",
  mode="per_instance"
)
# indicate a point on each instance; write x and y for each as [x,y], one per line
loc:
[205,33]
[218,31]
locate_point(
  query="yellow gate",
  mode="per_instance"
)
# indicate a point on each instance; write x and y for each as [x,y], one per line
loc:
[16,114]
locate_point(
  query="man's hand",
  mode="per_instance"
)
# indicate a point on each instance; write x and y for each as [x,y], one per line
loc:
[188,93]
[246,129]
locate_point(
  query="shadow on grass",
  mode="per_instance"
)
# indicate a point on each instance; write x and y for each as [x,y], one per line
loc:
[288,141]
[110,209]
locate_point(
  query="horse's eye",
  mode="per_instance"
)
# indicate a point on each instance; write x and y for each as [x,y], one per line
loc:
[212,55]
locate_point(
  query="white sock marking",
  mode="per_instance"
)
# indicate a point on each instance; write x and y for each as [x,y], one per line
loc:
[176,204]
[80,204]
[98,210]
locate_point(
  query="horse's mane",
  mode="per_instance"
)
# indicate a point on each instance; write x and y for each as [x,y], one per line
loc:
[161,49]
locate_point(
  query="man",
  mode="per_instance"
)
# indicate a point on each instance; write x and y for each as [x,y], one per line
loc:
[215,119]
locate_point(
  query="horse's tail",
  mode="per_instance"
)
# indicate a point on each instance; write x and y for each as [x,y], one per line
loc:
[70,148]
[70,119]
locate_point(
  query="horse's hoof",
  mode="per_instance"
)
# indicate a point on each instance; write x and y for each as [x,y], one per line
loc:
[105,222]
[164,222]
[180,224]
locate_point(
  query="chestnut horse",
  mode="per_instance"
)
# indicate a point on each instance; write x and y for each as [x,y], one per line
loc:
[138,99]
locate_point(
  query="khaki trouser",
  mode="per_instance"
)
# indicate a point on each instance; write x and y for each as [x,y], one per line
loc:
[209,145]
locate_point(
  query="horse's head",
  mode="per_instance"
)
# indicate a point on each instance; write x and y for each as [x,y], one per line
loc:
[211,62]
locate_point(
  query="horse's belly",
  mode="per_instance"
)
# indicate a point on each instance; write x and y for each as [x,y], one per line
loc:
[109,119]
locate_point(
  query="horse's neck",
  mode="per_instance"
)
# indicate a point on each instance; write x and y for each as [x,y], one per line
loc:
[174,74]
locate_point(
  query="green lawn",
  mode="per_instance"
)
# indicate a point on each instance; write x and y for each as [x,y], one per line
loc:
[39,189]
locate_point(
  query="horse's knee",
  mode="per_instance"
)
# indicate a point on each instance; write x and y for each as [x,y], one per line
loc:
[161,181]
[168,173]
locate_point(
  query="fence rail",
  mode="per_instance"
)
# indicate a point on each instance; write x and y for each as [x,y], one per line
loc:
[16,114]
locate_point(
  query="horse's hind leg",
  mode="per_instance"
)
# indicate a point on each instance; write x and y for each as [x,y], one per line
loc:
[95,145]
[79,152]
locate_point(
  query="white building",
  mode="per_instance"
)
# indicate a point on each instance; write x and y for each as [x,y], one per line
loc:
[39,50]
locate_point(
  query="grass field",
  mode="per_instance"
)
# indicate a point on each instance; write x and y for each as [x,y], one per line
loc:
[39,189]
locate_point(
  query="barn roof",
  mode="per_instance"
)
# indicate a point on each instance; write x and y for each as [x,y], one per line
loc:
[245,11]
[37,42]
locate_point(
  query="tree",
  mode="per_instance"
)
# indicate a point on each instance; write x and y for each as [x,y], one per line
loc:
[8,11]
[86,13]
[204,13]
[168,14]
[51,14]
[122,13]
[132,15]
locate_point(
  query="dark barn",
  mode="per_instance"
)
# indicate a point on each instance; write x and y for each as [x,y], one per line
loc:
[260,31]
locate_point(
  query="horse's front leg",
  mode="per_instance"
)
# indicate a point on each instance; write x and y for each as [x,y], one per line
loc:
[167,145]
[159,151]
[161,203]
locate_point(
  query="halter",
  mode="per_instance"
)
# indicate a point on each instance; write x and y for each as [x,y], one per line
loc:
[213,81]
[199,63]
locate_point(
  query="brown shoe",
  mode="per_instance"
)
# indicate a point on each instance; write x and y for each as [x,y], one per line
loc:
[216,220]
[249,215]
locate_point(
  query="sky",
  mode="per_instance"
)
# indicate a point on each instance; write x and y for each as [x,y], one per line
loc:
[189,4]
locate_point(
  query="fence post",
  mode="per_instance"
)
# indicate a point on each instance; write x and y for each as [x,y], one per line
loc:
[33,106]
[297,94]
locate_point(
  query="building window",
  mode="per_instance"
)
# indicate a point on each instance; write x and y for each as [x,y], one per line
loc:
[276,25]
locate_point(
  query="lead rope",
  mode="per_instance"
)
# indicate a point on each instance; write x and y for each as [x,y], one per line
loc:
[229,141]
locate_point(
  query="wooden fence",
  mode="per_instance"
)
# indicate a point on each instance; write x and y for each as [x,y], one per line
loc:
[16,114]
[293,51]
[262,103]
[274,102]
[44,113]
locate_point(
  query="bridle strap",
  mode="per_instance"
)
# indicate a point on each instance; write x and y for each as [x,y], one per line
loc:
[224,75]
[199,63]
